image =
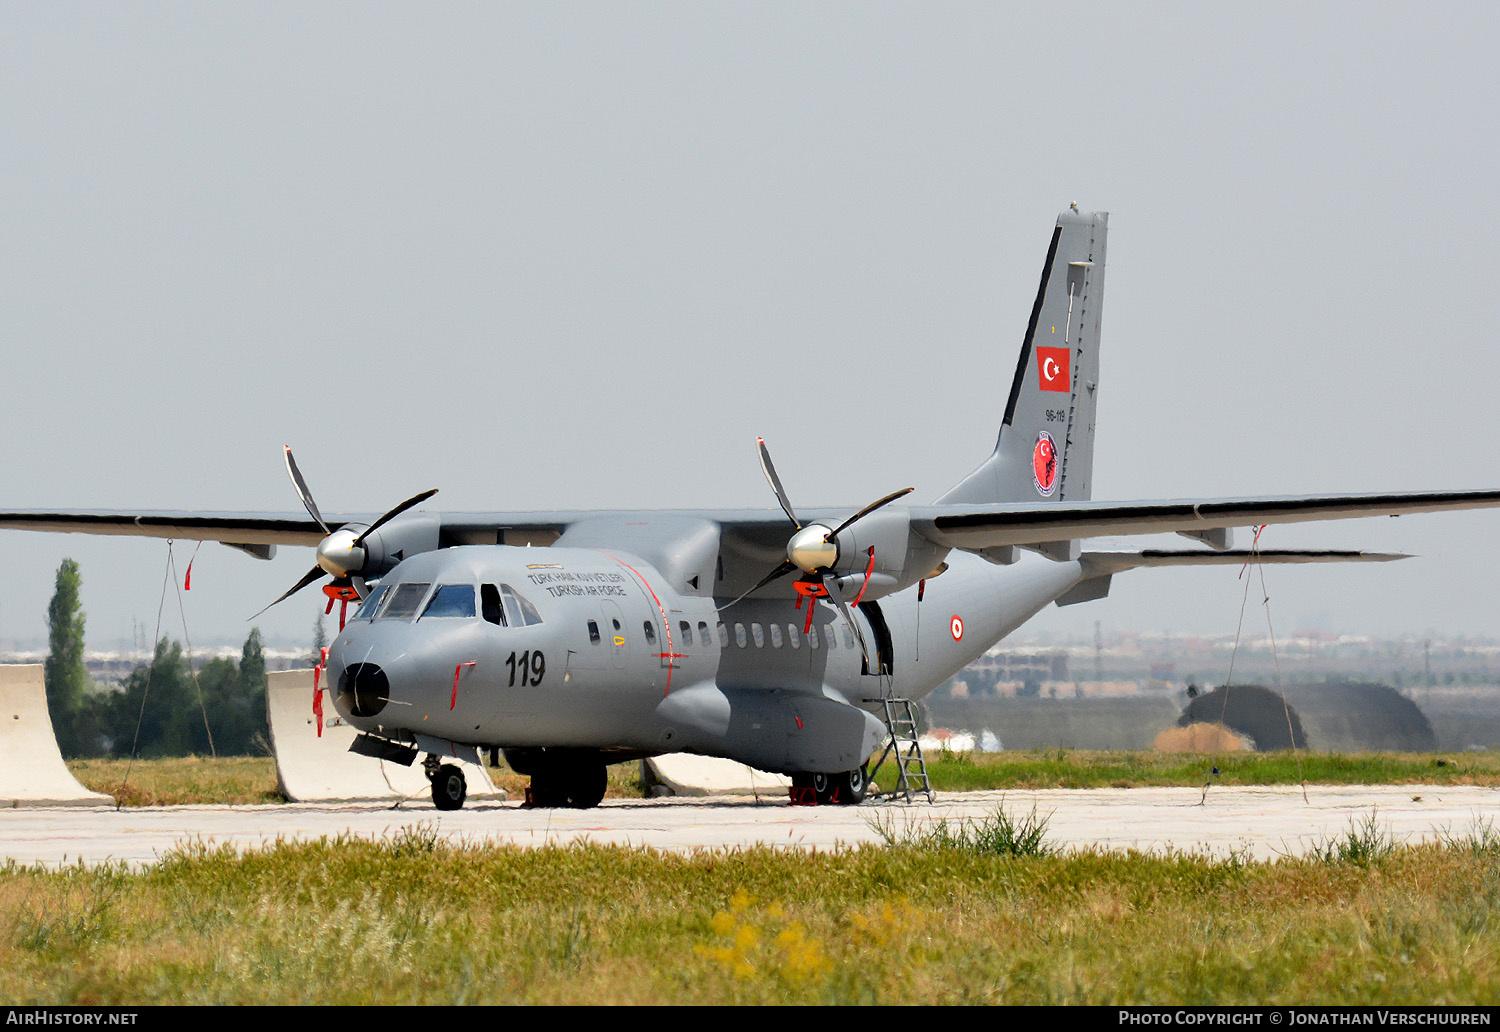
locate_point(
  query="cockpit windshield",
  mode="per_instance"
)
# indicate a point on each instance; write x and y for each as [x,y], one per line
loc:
[452,600]
[371,604]
[404,600]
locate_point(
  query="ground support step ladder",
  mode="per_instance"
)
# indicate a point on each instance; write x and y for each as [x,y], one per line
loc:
[901,745]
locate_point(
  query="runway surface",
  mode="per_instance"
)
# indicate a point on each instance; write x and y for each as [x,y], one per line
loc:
[1264,823]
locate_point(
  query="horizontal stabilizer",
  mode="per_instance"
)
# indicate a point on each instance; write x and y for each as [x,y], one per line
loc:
[975,528]
[1114,562]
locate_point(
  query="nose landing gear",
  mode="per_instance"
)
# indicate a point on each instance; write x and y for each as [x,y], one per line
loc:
[449,788]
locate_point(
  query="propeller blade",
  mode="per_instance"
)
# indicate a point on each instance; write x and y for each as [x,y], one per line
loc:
[786,567]
[302,493]
[770,471]
[397,511]
[307,578]
[887,500]
[831,585]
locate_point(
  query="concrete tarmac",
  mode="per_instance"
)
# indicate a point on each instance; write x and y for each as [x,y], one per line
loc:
[1263,823]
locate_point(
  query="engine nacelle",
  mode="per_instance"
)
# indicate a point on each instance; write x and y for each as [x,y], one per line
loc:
[399,539]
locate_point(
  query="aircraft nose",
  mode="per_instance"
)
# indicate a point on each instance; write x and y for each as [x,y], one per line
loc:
[364,689]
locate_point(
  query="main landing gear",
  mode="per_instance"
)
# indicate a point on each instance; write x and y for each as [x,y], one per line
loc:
[578,786]
[449,788]
[846,788]
[561,777]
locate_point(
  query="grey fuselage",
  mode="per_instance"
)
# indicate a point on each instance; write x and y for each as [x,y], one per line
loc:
[610,658]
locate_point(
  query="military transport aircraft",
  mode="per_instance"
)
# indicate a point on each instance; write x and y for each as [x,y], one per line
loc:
[572,640]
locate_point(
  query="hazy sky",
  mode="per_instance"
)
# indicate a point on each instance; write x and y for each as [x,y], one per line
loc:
[580,255]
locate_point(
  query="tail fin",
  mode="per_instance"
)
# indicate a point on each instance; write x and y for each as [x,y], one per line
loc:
[1046,446]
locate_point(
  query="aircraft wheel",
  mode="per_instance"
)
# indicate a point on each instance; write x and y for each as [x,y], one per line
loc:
[826,787]
[854,786]
[578,788]
[449,789]
[587,785]
[547,790]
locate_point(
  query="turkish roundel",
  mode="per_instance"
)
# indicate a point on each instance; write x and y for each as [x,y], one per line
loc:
[1044,464]
[1052,369]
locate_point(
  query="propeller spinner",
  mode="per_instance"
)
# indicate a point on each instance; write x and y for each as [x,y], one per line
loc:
[341,553]
[814,548]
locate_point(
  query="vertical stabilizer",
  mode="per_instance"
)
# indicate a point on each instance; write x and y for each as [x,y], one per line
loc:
[1046,446]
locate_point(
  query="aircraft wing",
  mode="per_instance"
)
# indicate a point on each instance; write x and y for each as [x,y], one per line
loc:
[232,528]
[973,528]
[967,527]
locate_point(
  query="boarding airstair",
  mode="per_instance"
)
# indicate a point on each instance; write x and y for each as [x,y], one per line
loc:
[903,748]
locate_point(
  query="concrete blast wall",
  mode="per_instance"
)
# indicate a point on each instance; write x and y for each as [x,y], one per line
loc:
[684,775]
[312,769]
[32,772]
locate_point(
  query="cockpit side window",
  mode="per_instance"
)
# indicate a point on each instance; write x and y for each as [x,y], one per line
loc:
[512,607]
[519,612]
[404,600]
[452,600]
[489,604]
[371,604]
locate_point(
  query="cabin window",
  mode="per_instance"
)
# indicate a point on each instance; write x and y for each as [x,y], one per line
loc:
[776,635]
[793,636]
[404,601]
[367,608]
[812,638]
[848,637]
[759,634]
[650,629]
[739,634]
[489,604]
[828,636]
[593,632]
[687,633]
[703,634]
[723,636]
[454,600]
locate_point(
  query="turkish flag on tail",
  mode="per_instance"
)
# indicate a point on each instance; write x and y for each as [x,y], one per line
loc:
[1052,369]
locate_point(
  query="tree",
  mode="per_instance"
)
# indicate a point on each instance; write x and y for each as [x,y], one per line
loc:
[320,640]
[160,698]
[163,699]
[253,665]
[67,679]
[247,734]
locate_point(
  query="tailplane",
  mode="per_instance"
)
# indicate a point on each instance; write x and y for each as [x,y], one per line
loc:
[1046,446]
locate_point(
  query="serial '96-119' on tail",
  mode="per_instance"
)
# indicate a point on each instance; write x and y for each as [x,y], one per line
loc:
[775,636]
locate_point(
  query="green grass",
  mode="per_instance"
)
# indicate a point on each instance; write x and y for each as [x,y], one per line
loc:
[1002,833]
[238,780]
[919,921]
[242,779]
[1081,768]
[182,780]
